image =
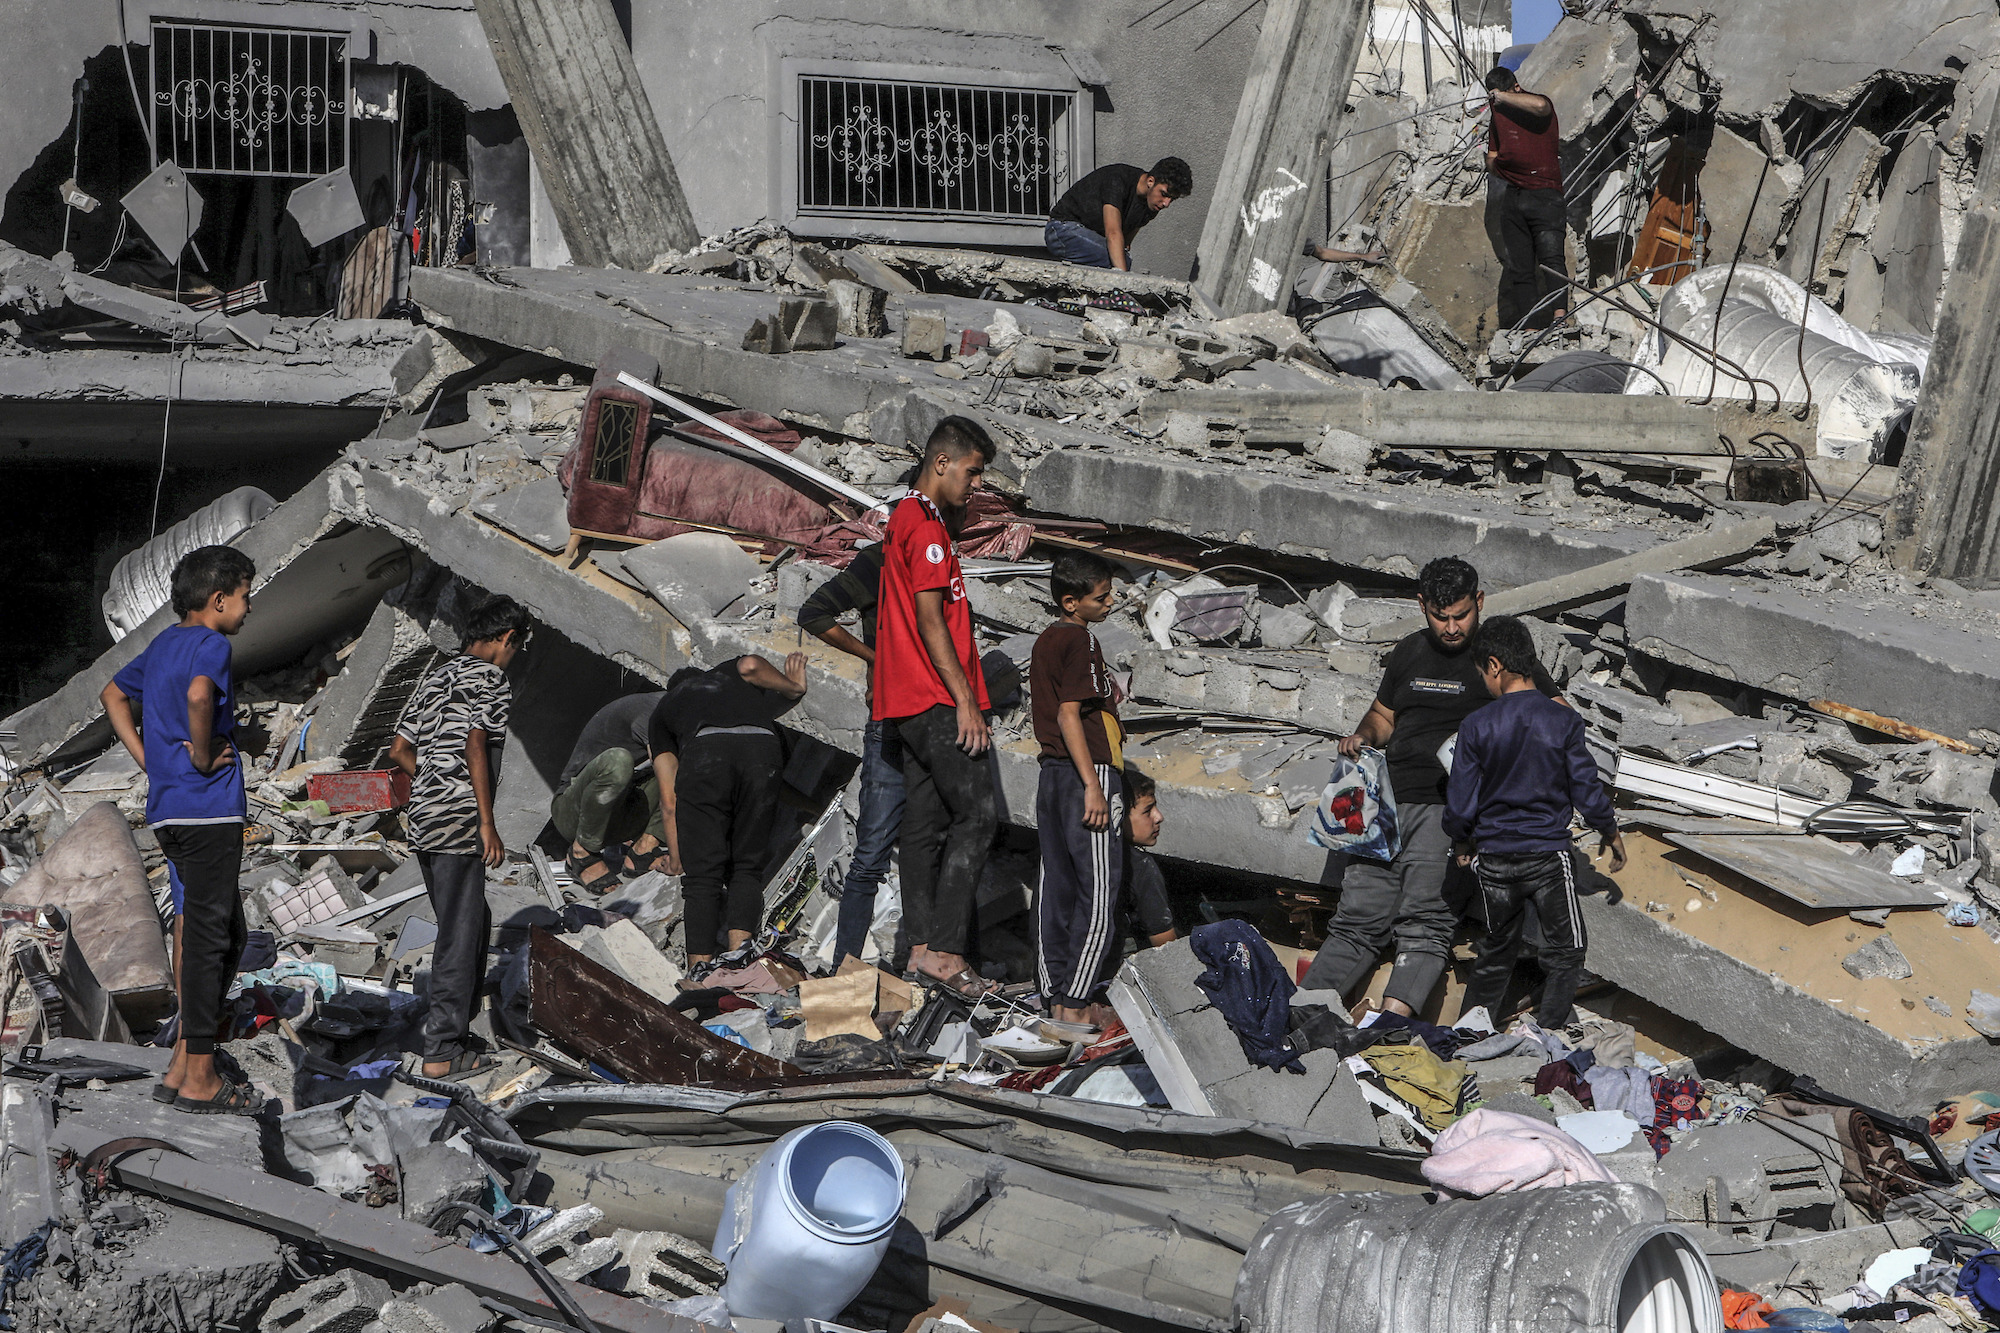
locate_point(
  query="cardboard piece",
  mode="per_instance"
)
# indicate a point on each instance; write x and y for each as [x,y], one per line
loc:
[841,1003]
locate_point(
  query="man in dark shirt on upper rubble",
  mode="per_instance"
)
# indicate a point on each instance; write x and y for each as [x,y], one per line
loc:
[1527,189]
[1097,218]
[1430,684]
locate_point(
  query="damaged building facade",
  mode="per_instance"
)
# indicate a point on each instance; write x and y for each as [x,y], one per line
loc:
[1736,497]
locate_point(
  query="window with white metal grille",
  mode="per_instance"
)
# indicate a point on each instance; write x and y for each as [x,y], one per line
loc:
[250,101]
[870,146]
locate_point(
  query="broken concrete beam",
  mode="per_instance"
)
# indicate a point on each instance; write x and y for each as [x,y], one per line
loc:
[569,71]
[1928,671]
[350,383]
[809,326]
[1485,422]
[1364,527]
[1221,682]
[1294,95]
[269,1204]
[188,1271]
[1708,550]
[694,335]
[623,947]
[537,513]
[96,875]
[357,716]
[28,1197]
[313,581]
[1758,971]
[978,269]
[925,336]
[342,1302]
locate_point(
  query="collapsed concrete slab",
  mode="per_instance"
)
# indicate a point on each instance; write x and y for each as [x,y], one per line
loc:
[1763,972]
[1362,526]
[1936,670]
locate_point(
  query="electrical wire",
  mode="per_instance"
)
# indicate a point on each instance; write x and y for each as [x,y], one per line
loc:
[454,1213]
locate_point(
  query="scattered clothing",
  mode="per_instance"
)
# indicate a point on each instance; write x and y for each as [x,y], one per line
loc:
[1494,1152]
[1979,1282]
[1744,1309]
[1443,1042]
[1629,1090]
[1613,1043]
[461,695]
[1562,1074]
[1438,1091]
[1676,1102]
[1245,981]
[1500,1045]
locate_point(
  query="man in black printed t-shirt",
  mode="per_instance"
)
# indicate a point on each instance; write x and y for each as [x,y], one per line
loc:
[1098,218]
[1430,685]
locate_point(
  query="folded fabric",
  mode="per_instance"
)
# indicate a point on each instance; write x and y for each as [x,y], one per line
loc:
[1443,1042]
[1562,1074]
[1614,1044]
[1676,1102]
[1438,1091]
[1744,1309]
[1502,1044]
[1629,1090]
[1497,1152]
[1247,983]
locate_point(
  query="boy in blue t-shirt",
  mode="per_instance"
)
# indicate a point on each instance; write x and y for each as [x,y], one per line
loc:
[194,805]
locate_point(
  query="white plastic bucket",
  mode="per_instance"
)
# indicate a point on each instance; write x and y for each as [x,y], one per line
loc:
[807,1227]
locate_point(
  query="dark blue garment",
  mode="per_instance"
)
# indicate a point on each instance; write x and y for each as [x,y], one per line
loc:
[1247,983]
[1979,1282]
[1520,767]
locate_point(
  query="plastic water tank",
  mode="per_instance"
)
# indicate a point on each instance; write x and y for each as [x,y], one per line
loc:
[142,582]
[807,1227]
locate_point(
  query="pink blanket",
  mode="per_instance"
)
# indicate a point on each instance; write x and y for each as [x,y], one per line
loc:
[1496,1152]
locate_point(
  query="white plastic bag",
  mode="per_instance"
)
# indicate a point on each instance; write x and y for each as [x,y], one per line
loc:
[1356,813]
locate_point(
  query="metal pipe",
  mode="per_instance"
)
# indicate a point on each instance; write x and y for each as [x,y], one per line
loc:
[1742,239]
[1805,306]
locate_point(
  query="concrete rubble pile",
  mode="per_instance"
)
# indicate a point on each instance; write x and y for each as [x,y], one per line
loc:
[1777,1094]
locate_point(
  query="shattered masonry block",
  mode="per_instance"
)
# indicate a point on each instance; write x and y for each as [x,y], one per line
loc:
[924,337]
[663,1265]
[564,1244]
[1879,957]
[449,1309]
[340,1302]
[860,308]
[437,1174]
[1033,359]
[809,326]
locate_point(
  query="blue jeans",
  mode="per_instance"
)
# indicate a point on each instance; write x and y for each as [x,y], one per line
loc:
[1075,243]
[874,837]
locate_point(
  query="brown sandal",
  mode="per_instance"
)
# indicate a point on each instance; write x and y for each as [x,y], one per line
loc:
[966,984]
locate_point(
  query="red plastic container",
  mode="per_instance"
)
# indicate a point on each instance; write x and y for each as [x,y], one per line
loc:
[360,792]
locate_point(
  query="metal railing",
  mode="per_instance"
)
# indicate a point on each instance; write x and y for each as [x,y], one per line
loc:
[250,101]
[869,146]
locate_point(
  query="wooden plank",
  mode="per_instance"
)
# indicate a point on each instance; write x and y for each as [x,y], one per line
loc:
[1292,102]
[590,129]
[1889,726]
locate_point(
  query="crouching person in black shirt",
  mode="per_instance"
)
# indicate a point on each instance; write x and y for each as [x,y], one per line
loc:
[1098,218]
[717,754]
[1430,685]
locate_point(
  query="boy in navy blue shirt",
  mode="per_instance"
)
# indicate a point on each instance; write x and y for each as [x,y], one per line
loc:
[194,805]
[1520,768]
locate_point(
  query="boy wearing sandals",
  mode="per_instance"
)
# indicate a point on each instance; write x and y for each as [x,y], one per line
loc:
[449,741]
[195,805]
[607,794]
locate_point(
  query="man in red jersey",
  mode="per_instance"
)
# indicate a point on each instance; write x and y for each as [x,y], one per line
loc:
[1528,190]
[928,682]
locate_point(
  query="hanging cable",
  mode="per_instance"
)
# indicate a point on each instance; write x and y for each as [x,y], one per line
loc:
[75,160]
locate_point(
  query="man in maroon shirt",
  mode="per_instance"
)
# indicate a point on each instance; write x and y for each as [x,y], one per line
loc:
[1521,148]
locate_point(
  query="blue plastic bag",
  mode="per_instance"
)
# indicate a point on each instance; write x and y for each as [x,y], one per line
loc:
[1356,814]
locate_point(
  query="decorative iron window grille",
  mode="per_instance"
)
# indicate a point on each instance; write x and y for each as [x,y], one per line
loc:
[250,101]
[611,460]
[873,146]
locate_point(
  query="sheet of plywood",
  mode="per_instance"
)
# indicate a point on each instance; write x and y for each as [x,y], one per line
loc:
[1812,871]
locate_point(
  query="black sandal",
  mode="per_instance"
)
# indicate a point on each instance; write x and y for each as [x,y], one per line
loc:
[233,1099]
[463,1065]
[576,865]
[641,864]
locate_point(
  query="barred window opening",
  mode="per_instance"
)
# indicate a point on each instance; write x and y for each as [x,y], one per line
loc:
[250,101]
[879,147]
